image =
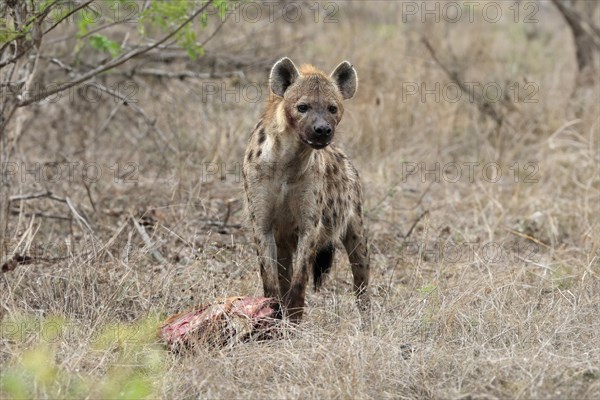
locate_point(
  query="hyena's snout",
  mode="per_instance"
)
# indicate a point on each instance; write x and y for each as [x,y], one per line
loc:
[320,133]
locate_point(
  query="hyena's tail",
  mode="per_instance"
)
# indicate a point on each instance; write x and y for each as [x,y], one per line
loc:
[322,264]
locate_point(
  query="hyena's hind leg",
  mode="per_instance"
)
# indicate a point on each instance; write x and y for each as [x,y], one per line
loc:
[355,243]
[322,264]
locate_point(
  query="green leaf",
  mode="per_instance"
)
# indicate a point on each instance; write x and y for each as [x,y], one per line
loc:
[15,385]
[102,43]
[427,289]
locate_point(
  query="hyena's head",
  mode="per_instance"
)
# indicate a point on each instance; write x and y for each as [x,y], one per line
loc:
[312,101]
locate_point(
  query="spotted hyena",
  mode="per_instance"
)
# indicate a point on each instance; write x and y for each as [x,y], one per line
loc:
[303,194]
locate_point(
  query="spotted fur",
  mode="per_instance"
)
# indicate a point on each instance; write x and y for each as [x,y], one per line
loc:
[303,194]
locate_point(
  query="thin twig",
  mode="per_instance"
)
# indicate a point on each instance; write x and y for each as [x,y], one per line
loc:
[525,236]
[89,193]
[484,106]
[67,15]
[111,64]
[78,216]
[155,253]
[30,196]
[416,221]
[187,74]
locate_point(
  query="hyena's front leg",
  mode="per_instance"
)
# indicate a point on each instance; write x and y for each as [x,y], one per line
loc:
[355,243]
[267,256]
[264,239]
[305,257]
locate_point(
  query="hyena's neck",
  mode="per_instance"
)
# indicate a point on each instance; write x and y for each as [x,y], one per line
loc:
[290,156]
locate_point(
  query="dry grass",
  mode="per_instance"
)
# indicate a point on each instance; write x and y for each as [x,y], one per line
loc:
[522,324]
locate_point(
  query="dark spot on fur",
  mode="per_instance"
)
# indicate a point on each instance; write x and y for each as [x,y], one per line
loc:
[358,208]
[262,136]
[330,202]
[277,143]
[325,219]
[250,155]
[335,169]
[298,288]
[258,153]
[322,264]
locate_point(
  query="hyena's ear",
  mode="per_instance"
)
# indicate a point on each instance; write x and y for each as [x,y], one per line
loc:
[344,75]
[283,74]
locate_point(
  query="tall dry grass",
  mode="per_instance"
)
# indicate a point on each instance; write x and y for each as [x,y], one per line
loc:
[494,294]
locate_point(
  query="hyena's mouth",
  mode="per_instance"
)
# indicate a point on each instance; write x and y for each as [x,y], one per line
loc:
[315,144]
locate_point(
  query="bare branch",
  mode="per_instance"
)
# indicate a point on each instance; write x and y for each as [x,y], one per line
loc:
[187,74]
[155,253]
[30,196]
[73,11]
[78,216]
[113,63]
[586,35]
[483,105]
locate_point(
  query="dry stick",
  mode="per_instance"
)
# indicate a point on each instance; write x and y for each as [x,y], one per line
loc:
[43,215]
[227,213]
[89,193]
[220,224]
[528,237]
[424,213]
[187,74]
[155,253]
[113,63]
[483,105]
[78,216]
[30,235]
[582,29]
[30,196]
[81,221]
[127,247]
[26,233]
[107,121]
[61,64]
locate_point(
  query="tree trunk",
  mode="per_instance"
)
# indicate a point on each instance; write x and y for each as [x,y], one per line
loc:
[585,34]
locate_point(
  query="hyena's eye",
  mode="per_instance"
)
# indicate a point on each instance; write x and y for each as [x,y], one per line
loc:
[302,108]
[332,109]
